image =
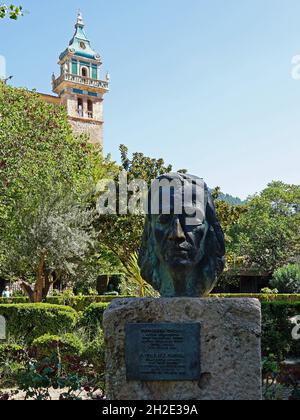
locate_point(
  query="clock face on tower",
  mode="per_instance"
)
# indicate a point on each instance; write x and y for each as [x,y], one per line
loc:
[82,45]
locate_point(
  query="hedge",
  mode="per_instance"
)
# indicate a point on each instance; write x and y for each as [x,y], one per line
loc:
[34,320]
[79,303]
[30,321]
[13,300]
[66,348]
[92,317]
[260,296]
[277,329]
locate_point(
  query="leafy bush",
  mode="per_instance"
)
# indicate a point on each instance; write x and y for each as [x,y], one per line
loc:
[287,279]
[80,303]
[277,329]
[12,357]
[42,376]
[13,300]
[72,363]
[31,321]
[92,317]
[262,297]
[65,346]
[94,353]
[268,291]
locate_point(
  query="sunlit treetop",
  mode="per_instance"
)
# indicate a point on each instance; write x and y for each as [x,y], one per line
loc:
[11,11]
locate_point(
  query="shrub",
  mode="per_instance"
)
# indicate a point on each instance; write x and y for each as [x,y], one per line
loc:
[287,279]
[40,377]
[13,300]
[92,317]
[277,329]
[64,347]
[12,362]
[262,297]
[267,291]
[80,303]
[14,351]
[31,321]
[94,353]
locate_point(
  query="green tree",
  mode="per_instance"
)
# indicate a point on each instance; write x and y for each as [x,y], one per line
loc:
[121,234]
[52,245]
[229,215]
[41,160]
[269,231]
[13,12]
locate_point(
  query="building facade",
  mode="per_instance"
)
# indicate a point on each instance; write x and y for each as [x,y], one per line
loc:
[79,86]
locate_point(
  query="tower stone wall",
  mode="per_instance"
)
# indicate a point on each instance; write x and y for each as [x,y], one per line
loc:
[93,130]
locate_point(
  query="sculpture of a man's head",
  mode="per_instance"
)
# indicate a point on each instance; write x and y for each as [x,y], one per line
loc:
[183,245]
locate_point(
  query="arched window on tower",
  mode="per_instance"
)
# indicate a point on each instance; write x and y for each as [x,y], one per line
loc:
[84,72]
[90,109]
[80,107]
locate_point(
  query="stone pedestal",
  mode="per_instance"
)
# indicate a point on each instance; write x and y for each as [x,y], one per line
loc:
[230,348]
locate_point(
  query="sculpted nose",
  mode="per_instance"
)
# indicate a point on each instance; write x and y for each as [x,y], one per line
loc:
[177,233]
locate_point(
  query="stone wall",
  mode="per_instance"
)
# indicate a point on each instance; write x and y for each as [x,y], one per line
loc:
[93,129]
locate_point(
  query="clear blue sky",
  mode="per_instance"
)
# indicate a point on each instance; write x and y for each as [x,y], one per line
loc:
[205,84]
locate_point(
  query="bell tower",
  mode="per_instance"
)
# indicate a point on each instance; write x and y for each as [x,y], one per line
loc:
[79,85]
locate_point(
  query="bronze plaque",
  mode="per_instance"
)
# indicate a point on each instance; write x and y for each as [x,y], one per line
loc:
[163,352]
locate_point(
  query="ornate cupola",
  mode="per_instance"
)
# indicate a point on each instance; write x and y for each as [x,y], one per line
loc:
[80,86]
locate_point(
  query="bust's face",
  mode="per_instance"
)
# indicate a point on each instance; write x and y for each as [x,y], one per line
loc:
[178,243]
[181,253]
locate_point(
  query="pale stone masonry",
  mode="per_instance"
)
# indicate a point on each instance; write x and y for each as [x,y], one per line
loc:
[79,86]
[230,349]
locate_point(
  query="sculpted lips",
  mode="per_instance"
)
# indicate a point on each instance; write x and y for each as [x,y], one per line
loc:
[183,251]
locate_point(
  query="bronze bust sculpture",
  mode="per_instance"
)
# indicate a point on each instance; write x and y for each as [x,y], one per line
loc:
[181,256]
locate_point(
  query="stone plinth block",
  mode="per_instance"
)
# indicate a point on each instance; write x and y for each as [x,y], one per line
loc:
[230,348]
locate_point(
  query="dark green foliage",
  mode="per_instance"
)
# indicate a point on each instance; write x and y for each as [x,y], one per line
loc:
[66,347]
[261,297]
[121,234]
[277,329]
[47,180]
[12,358]
[268,233]
[13,300]
[92,317]
[30,321]
[79,303]
[42,376]
[94,353]
[13,350]
[287,279]
[280,380]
